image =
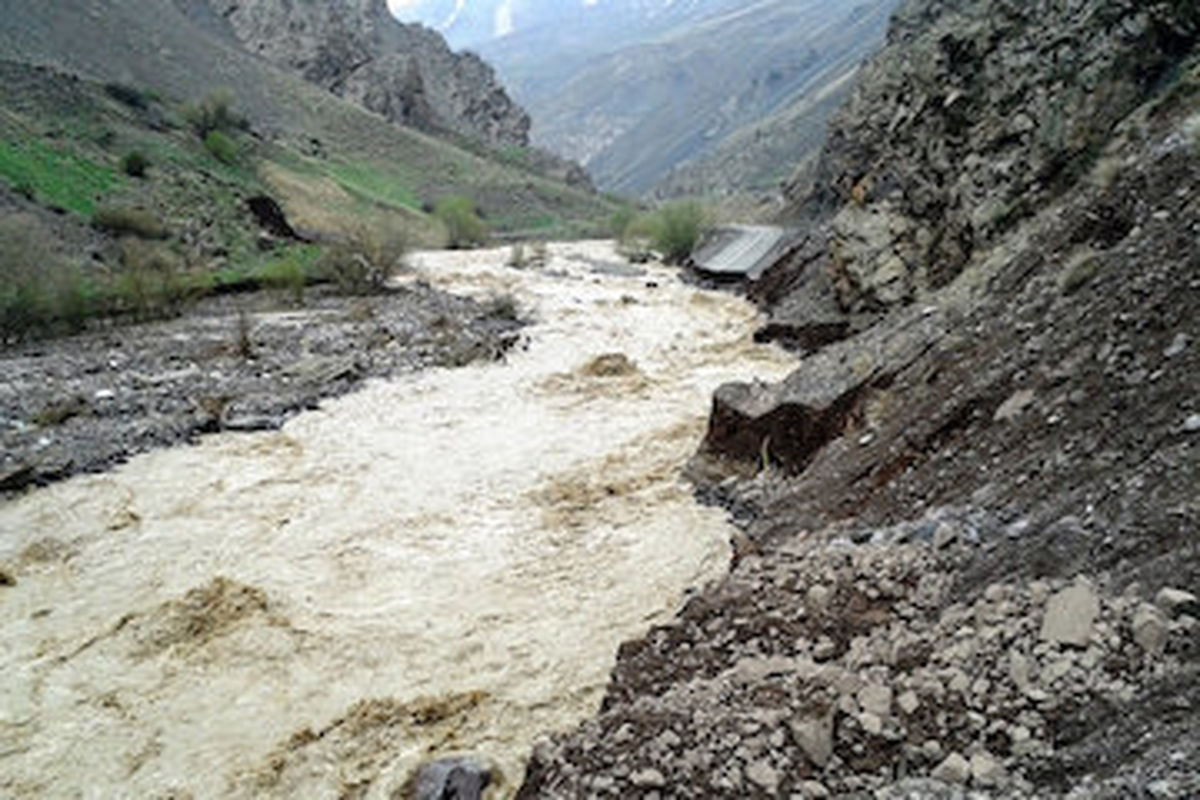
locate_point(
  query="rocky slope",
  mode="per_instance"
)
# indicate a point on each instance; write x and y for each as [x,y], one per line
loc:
[970,557]
[407,73]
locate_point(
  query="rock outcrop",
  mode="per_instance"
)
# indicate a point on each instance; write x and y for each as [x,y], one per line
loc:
[974,117]
[969,558]
[406,73]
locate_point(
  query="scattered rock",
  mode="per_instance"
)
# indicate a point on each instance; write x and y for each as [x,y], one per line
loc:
[764,775]
[1178,346]
[1071,615]
[1192,424]
[1150,629]
[817,598]
[955,769]
[813,790]
[1176,602]
[649,778]
[452,779]
[985,769]
[1018,670]
[871,723]
[7,578]
[908,702]
[1014,406]
[945,534]
[876,700]
[814,735]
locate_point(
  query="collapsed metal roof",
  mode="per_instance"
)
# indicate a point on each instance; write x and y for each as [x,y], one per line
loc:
[741,252]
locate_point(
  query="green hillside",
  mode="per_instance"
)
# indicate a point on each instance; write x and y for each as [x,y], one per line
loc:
[326,159]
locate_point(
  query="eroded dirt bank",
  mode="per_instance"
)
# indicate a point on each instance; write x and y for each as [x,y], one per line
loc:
[442,562]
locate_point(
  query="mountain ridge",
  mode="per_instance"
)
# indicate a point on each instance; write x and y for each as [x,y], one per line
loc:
[632,103]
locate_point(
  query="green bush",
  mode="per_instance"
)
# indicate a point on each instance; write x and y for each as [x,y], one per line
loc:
[464,228]
[366,262]
[291,270]
[678,229]
[621,221]
[636,240]
[135,164]
[124,221]
[151,283]
[221,147]
[213,113]
[40,292]
[129,95]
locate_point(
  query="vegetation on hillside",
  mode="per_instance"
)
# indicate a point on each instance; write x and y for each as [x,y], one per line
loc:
[147,198]
[673,231]
[464,227]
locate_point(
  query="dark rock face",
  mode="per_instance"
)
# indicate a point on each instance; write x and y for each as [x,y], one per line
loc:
[785,425]
[406,73]
[974,116]
[270,217]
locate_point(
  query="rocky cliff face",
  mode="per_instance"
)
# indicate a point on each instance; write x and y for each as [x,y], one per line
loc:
[969,557]
[406,73]
[973,117]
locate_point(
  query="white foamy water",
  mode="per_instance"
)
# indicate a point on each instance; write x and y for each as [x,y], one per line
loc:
[438,564]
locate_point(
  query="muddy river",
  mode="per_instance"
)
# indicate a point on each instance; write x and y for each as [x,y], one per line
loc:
[439,564]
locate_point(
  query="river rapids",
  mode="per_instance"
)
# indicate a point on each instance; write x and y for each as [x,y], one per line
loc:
[439,564]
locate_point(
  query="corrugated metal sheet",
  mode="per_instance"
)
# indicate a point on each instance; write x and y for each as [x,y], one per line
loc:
[741,252]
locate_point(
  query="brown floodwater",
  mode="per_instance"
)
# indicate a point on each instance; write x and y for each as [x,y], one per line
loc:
[438,564]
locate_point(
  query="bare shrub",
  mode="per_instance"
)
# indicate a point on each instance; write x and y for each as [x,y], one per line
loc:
[366,261]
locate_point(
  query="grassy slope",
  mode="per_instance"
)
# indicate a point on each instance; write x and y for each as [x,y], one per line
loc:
[365,164]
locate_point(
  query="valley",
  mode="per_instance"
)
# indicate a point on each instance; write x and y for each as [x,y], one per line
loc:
[355,441]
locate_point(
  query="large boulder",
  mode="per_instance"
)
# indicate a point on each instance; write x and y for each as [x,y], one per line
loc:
[784,425]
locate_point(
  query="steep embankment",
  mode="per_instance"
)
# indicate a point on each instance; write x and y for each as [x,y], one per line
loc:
[974,560]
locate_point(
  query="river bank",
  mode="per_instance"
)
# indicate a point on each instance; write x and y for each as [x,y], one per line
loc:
[239,363]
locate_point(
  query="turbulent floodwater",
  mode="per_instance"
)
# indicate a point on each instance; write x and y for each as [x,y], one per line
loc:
[443,563]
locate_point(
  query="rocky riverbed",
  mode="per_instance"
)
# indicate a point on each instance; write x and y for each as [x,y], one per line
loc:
[236,363]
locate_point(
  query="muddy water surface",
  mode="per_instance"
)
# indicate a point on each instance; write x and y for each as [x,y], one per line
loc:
[438,564]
